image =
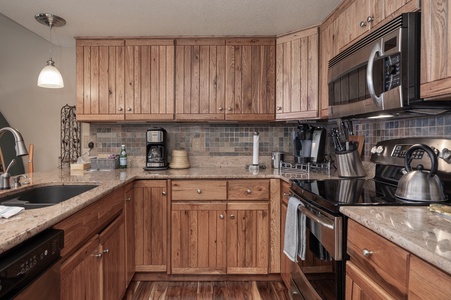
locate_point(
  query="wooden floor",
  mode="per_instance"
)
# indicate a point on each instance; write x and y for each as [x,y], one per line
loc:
[273,290]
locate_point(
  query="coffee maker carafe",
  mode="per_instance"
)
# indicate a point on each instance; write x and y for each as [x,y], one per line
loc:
[156,149]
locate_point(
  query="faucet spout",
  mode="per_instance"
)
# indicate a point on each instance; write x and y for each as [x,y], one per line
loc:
[20,147]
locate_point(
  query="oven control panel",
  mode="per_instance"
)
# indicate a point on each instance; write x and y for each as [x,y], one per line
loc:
[393,152]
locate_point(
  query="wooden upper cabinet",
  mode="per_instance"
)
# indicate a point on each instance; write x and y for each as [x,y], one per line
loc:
[149,78]
[435,54]
[200,69]
[100,80]
[297,75]
[250,79]
[357,17]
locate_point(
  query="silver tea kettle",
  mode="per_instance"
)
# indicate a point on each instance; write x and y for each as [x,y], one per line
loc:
[419,185]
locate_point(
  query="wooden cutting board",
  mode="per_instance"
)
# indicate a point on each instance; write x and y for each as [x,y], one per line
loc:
[360,140]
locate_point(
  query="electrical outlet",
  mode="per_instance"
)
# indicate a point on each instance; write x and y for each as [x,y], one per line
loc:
[196,144]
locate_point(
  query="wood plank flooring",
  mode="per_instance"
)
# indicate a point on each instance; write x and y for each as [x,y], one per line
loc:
[218,290]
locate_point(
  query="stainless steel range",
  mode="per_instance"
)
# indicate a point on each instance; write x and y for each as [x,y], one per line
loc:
[322,274]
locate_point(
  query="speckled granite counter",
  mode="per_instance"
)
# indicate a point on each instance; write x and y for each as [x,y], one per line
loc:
[30,222]
[416,229]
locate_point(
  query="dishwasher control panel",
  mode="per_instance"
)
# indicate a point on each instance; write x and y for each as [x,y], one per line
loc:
[25,262]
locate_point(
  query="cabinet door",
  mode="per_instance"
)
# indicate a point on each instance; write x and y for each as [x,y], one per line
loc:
[250,79]
[112,241]
[247,238]
[100,80]
[200,69]
[360,286]
[129,233]
[149,77]
[81,273]
[297,75]
[427,282]
[353,22]
[198,235]
[435,54]
[150,204]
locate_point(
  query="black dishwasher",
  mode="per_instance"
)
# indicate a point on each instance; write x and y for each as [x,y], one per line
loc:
[32,268]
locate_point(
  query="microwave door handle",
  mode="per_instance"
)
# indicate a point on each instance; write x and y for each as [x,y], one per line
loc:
[369,75]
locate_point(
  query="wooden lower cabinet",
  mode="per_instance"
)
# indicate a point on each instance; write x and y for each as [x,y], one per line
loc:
[150,212]
[198,235]
[81,273]
[247,238]
[129,233]
[97,269]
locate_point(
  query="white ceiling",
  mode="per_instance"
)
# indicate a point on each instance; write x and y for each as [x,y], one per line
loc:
[167,17]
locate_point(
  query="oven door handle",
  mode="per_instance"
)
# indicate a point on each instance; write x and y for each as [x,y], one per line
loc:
[318,219]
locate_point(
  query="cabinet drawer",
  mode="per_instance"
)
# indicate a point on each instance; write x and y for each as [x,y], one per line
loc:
[385,262]
[249,189]
[110,206]
[199,190]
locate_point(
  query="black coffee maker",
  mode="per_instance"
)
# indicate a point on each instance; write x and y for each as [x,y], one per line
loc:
[156,149]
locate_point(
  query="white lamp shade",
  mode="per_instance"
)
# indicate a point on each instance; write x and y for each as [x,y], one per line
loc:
[50,78]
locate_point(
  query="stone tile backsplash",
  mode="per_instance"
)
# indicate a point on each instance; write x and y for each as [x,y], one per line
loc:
[236,139]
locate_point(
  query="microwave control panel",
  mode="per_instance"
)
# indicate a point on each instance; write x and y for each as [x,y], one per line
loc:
[392,71]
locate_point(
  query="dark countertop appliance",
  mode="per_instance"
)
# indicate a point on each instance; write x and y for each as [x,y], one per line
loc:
[156,149]
[323,274]
[308,144]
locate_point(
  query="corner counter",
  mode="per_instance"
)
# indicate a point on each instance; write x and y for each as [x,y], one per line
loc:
[416,229]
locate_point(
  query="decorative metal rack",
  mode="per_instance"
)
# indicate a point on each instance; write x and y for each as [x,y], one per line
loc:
[297,170]
[70,135]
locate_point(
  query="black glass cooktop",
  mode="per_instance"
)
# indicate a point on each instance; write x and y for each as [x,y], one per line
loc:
[333,193]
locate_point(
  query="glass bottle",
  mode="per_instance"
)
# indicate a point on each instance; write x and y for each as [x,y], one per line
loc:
[123,158]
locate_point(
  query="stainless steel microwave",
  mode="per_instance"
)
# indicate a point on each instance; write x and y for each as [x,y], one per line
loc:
[380,72]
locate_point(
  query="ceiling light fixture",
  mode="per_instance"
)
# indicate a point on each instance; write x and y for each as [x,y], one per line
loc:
[50,77]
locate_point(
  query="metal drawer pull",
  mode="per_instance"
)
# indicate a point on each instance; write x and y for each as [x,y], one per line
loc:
[367,253]
[98,255]
[321,220]
[128,199]
[248,191]
[232,216]
[106,251]
[199,191]
[221,216]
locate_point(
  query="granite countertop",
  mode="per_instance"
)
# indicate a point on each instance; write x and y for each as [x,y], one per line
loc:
[416,229]
[30,222]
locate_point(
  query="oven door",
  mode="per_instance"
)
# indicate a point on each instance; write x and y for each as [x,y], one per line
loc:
[321,274]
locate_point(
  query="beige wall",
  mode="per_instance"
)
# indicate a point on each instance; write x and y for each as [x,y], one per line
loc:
[34,111]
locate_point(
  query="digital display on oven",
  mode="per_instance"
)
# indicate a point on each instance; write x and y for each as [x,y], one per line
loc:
[400,151]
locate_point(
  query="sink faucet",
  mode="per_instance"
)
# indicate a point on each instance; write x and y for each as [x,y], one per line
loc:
[21,150]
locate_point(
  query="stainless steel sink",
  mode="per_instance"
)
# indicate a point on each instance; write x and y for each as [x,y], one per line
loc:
[44,196]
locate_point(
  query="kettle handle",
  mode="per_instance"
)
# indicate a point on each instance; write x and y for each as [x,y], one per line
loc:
[429,151]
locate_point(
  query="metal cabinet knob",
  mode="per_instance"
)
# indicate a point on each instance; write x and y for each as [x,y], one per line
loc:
[221,216]
[279,107]
[232,217]
[164,193]
[106,251]
[229,109]
[128,199]
[129,109]
[366,252]
[98,255]
[221,108]
[362,24]
[120,109]
[248,191]
[199,191]
[370,19]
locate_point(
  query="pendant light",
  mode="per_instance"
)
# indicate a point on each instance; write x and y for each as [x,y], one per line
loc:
[50,77]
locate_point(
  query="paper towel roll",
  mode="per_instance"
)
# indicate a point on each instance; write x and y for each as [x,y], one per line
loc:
[256,150]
